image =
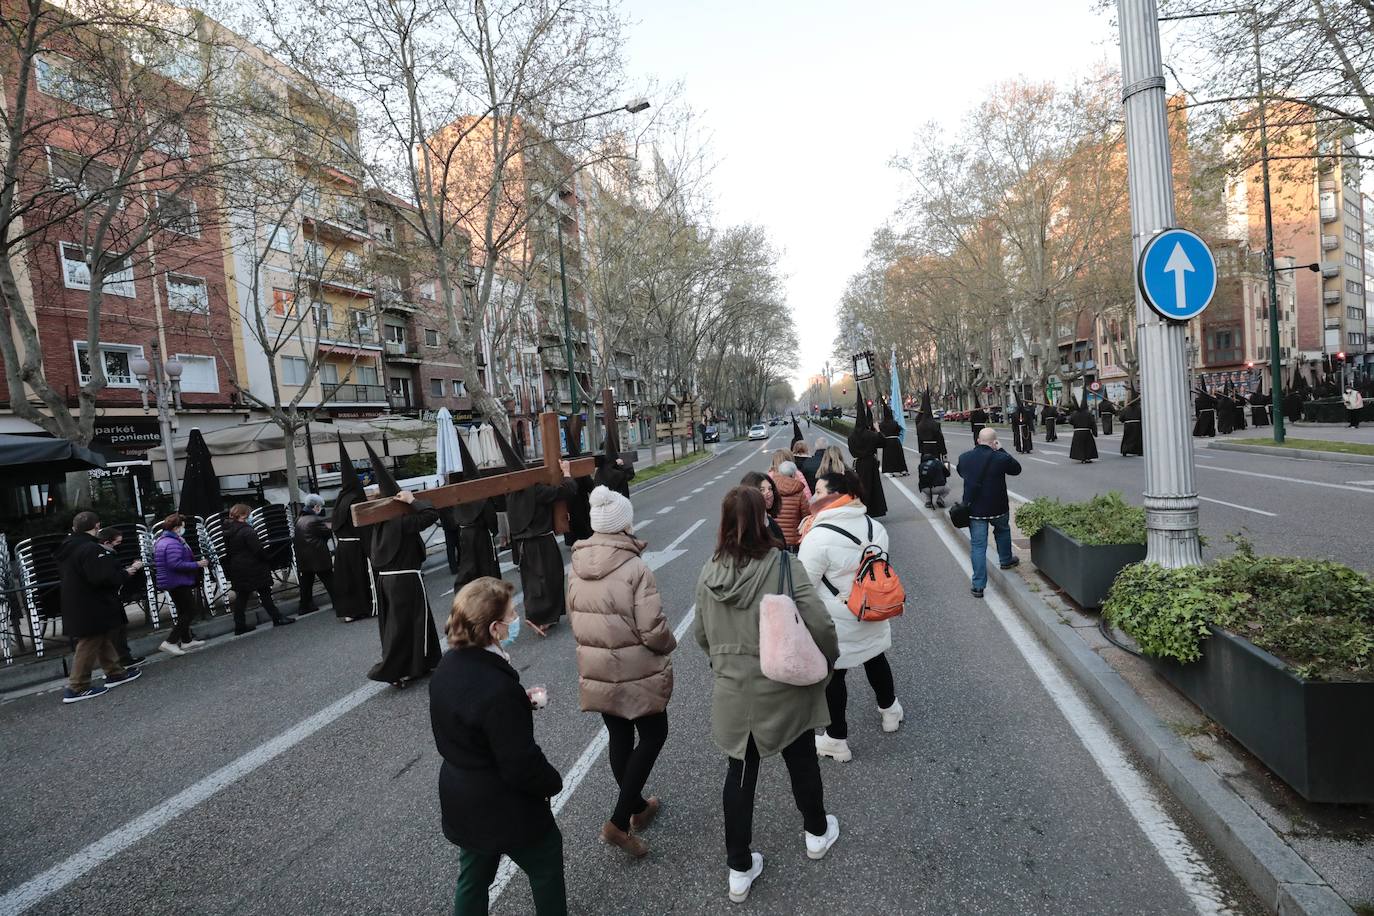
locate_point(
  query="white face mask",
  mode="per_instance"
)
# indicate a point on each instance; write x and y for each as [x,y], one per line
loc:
[181,532]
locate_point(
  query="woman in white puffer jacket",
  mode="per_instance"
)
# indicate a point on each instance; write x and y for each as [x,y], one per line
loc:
[831,559]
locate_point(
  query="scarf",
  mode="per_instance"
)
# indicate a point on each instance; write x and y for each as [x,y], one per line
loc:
[829,501]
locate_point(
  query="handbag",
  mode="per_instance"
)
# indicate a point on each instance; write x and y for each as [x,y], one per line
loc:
[961,512]
[787,653]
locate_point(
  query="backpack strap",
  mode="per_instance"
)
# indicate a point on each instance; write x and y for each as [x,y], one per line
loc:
[835,592]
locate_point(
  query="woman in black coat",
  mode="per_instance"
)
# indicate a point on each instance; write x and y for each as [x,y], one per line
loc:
[494,783]
[249,570]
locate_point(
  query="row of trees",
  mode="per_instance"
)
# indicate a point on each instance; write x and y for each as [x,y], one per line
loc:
[448,110]
[1015,236]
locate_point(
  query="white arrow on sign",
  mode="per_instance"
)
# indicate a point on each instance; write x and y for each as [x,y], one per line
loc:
[1179,265]
[658,558]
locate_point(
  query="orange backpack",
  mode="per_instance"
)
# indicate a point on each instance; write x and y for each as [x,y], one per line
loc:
[877,592]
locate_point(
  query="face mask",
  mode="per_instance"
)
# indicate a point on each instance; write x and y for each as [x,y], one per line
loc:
[181,532]
[513,631]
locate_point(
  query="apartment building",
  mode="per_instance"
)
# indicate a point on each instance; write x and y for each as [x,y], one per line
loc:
[1368,207]
[166,297]
[1230,340]
[1318,219]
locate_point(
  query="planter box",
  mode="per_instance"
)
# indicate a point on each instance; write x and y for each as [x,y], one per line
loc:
[1085,572]
[1316,736]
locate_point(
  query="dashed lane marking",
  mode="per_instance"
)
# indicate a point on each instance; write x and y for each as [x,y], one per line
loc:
[665,510]
[1310,483]
[1168,840]
[1222,502]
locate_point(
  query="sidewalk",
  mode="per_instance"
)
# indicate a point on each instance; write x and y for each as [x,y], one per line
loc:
[1298,857]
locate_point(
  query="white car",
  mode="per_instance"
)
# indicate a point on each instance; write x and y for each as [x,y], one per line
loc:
[758,431]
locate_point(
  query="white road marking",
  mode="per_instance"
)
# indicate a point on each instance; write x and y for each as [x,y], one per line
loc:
[1310,483]
[1222,502]
[698,490]
[665,510]
[42,886]
[1361,483]
[573,778]
[1170,842]
[1041,460]
[644,524]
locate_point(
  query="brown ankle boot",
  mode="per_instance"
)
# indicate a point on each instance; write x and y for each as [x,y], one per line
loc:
[632,844]
[646,817]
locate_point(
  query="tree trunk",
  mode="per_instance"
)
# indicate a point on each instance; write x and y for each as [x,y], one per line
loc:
[292,484]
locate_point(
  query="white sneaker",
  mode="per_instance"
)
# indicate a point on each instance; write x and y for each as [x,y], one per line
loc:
[171,648]
[742,881]
[837,748]
[193,644]
[892,716]
[818,846]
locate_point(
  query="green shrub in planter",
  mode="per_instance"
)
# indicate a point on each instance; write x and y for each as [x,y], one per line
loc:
[1317,616]
[1106,519]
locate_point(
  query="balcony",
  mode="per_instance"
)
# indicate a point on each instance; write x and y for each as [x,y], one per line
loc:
[1331,297]
[401,352]
[402,402]
[1329,214]
[338,222]
[1331,270]
[354,394]
[1331,242]
[392,300]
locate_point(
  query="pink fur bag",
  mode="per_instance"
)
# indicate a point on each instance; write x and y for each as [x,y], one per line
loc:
[787,653]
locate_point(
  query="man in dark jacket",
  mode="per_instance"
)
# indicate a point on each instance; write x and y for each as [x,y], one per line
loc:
[985,469]
[313,559]
[91,578]
[249,571]
[810,466]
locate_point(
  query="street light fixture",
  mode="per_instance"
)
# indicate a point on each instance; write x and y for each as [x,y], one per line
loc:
[163,382]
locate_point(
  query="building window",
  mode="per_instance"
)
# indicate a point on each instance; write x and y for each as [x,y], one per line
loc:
[280,239]
[1356,339]
[178,215]
[1353,313]
[1352,208]
[459,389]
[172,139]
[84,177]
[1354,287]
[116,358]
[361,321]
[1354,261]
[395,334]
[436,387]
[365,375]
[61,78]
[187,294]
[1353,234]
[198,373]
[329,373]
[293,370]
[283,303]
[76,273]
[431,337]
[427,290]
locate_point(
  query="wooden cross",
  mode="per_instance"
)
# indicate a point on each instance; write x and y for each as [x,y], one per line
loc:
[469,491]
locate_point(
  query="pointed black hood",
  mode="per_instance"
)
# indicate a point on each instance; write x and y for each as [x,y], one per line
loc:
[386,484]
[796,431]
[574,436]
[513,461]
[926,411]
[612,445]
[350,492]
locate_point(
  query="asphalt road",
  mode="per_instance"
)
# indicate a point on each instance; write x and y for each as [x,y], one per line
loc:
[265,775]
[1283,505]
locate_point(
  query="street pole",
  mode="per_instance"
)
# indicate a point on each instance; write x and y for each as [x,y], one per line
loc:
[567,317]
[1275,369]
[1171,503]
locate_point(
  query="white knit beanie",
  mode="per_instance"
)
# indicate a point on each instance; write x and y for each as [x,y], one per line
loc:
[611,512]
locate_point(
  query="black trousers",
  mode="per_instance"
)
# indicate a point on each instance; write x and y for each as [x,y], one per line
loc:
[1352,417]
[119,638]
[633,763]
[742,778]
[307,582]
[451,548]
[240,605]
[837,694]
[187,603]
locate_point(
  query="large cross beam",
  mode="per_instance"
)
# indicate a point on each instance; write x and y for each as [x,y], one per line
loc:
[380,510]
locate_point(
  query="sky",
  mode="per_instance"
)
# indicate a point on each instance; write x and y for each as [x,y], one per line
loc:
[806,103]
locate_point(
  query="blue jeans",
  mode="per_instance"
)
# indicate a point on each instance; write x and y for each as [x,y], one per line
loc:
[978,538]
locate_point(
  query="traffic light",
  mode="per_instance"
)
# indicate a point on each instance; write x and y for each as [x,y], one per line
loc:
[1340,356]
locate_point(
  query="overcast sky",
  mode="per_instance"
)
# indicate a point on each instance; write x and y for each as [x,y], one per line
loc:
[806,103]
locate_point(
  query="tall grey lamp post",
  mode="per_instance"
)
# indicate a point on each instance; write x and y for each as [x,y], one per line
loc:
[163,382]
[1171,503]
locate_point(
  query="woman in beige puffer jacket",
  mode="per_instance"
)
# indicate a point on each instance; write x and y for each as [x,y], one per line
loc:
[623,644]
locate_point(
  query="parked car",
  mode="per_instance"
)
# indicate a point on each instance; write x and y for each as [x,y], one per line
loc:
[758,431]
[710,434]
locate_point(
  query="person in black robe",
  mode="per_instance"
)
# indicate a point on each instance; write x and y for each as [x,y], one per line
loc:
[864,443]
[1106,410]
[475,525]
[580,507]
[797,435]
[930,436]
[1292,406]
[1206,407]
[1050,417]
[977,418]
[410,641]
[1225,413]
[533,545]
[354,584]
[1083,448]
[1018,426]
[614,473]
[894,456]
[1132,435]
[1259,406]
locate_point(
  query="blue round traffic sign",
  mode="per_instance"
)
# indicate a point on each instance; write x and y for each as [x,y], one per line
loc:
[1177,274]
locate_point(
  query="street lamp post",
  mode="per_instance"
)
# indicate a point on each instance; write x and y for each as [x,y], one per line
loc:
[1171,502]
[163,382]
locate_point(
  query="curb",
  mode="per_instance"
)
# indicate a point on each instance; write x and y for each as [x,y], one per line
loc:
[1304,453]
[1282,880]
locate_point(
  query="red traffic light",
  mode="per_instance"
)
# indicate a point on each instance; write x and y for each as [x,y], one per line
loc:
[1249,365]
[1340,356]
[869,402]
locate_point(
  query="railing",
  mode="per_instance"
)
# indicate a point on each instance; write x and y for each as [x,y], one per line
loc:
[1331,297]
[404,350]
[401,401]
[1329,214]
[348,393]
[1331,269]
[1331,242]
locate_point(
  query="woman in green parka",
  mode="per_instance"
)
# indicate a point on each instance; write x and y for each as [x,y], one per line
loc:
[751,716]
